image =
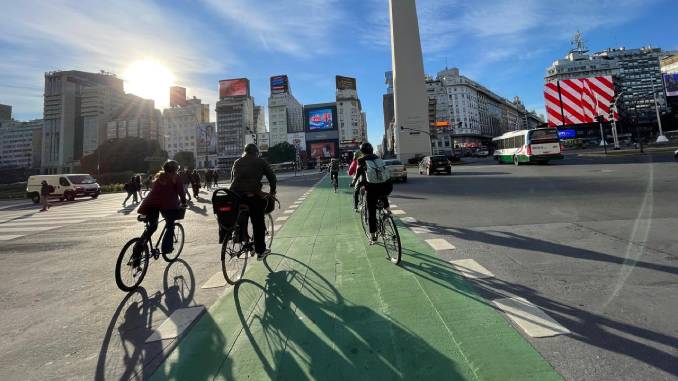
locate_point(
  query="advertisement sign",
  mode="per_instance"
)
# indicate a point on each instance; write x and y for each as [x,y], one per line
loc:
[206,137]
[671,84]
[345,83]
[579,100]
[567,134]
[177,96]
[322,150]
[319,120]
[234,87]
[279,84]
[297,139]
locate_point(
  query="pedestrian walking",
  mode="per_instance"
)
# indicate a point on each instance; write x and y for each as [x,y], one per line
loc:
[195,183]
[137,185]
[185,177]
[44,195]
[148,183]
[130,188]
[208,179]
[215,176]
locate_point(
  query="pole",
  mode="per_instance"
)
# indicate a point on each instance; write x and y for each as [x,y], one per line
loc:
[661,138]
[615,135]
[602,134]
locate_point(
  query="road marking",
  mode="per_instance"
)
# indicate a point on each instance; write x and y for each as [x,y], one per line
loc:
[216,280]
[293,206]
[8,237]
[393,206]
[440,244]
[398,212]
[530,318]
[176,324]
[471,269]
[276,228]
[420,230]
[297,202]
[409,220]
[28,229]
[289,211]
[282,218]
[16,223]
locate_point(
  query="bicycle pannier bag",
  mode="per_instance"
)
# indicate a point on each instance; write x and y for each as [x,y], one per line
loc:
[225,204]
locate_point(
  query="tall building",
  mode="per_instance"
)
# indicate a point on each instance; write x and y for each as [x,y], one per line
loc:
[636,74]
[20,143]
[259,120]
[322,132]
[5,112]
[389,114]
[179,124]
[63,133]
[285,113]
[235,119]
[98,106]
[352,129]
[136,118]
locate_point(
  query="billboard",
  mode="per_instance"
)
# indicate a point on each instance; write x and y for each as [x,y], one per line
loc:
[177,96]
[579,101]
[206,139]
[567,134]
[297,139]
[671,84]
[279,84]
[345,83]
[234,87]
[322,150]
[320,119]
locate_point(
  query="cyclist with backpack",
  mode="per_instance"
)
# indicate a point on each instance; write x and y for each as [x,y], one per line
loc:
[334,173]
[372,172]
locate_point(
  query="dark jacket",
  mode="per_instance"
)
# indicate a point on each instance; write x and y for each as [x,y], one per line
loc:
[165,194]
[44,189]
[362,168]
[247,173]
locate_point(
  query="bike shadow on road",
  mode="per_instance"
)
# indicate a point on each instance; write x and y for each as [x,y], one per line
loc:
[302,327]
[588,327]
[124,353]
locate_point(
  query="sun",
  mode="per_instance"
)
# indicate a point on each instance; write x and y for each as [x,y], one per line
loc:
[149,79]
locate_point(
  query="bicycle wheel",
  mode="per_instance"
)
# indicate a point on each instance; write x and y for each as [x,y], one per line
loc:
[268,222]
[178,243]
[364,221]
[130,271]
[389,233]
[233,258]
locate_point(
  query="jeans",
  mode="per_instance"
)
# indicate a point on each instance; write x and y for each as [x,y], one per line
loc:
[170,216]
[374,193]
[130,194]
[188,195]
[356,195]
[256,205]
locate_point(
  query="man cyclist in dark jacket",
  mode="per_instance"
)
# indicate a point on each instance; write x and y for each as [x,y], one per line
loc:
[246,181]
[374,192]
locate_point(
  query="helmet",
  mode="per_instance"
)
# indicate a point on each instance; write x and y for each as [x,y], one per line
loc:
[366,148]
[170,166]
[251,149]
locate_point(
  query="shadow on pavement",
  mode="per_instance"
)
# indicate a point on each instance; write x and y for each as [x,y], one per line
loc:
[124,353]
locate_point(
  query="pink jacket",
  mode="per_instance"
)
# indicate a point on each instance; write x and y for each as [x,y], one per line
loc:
[353,167]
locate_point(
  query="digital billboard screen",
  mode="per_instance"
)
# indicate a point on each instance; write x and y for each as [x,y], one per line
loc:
[279,84]
[234,87]
[206,139]
[671,84]
[567,134]
[320,119]
[345,83]
[322,150]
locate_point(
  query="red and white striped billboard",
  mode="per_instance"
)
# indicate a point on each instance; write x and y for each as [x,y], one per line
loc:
[578,101]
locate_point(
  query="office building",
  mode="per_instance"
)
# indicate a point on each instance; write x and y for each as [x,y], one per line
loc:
[136,118]
[352,129]
[235,119]
[322,132]
[63,132]
[285,113]
[259,119]
[179,125]
[99,105]
[20,143]
[5,112]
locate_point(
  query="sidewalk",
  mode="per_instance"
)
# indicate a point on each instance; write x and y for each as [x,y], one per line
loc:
[327,306]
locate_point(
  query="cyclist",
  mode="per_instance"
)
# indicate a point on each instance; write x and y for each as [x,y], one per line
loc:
[356,183]
[246,181]
[333,168]
[164,199]
[372,172]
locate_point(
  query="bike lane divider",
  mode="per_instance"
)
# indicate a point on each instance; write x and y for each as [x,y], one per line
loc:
[439,244]
[176,324]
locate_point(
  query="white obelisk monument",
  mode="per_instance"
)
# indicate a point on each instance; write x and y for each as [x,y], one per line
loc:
[409,93]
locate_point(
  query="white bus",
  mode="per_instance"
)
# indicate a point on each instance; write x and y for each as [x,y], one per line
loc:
[528,146]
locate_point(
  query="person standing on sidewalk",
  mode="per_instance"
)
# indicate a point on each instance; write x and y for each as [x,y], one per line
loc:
[208,179]
[185,177]
[215,176]
[44,195]
[195,183]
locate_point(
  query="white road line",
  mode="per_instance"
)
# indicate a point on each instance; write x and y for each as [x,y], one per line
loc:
[176,324]
[33,223]
[420,230]
[440,244]
[293,206]
[297,202]
[289,211]
[216,280]
[8,237]
[471,269]
[530,318]
[282,218]
[393,206]
[28,229]
[409,220]
[276,228]
[398,212]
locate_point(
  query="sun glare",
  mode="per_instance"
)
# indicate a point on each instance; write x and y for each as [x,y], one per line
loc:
[149,79]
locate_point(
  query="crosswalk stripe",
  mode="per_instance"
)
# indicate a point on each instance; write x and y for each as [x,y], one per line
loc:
[28,229]
[8,237]
[530,318]
[32,223]
[176,323]
[398,212]
[440,244]
[469,268]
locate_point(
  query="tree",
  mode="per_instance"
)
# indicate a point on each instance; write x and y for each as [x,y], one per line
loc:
[126,154]
[281,152]
[186,159]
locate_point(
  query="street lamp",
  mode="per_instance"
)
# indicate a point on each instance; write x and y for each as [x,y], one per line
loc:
[661,138]
[430,136]
[615,136]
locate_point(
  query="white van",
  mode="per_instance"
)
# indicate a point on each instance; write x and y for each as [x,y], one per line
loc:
[66,186]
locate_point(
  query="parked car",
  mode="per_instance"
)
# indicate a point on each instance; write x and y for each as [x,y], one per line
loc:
[430,165]
[397,169]
[66,186]
[481,152]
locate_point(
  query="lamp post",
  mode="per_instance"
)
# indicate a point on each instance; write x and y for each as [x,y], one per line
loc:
[661,138]
[402,128]
[603,142]
[615,136]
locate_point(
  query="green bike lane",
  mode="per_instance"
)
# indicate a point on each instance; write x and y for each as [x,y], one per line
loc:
[328,306]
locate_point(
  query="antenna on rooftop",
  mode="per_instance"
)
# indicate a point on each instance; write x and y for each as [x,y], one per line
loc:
[578,43]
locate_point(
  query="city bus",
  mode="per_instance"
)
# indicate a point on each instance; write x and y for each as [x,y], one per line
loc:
[528,146]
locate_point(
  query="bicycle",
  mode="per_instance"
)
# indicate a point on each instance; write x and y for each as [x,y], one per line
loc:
[238,244]
[386,229]
[130,271]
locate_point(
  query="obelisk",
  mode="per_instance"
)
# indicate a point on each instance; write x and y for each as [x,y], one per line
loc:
[409,92]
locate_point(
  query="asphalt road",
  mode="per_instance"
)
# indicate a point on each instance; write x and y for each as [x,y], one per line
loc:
[591,241]
[62,316]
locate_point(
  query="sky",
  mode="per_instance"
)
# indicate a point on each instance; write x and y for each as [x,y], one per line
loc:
[504,45]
